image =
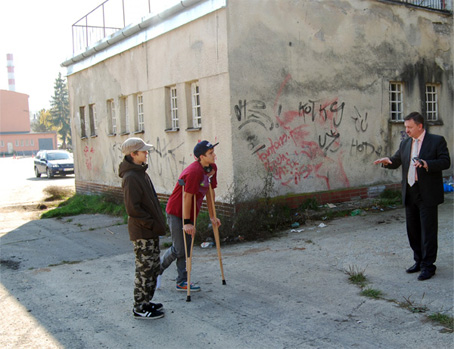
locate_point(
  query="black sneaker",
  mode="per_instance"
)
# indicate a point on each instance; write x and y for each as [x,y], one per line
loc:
[156,306]
[148,312]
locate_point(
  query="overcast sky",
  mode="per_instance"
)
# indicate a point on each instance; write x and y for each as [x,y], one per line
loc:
[38,33]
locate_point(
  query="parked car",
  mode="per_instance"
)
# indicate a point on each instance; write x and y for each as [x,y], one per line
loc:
[53,162]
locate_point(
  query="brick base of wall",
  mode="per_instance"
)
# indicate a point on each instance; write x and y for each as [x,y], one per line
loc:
[223,209]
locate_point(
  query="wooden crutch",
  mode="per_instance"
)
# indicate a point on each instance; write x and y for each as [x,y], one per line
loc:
[216,231]
[189,258]
[188,255]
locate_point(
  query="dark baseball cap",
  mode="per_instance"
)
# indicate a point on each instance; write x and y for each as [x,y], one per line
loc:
[202,147]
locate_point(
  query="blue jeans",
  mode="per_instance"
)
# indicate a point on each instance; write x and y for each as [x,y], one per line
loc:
[176,251]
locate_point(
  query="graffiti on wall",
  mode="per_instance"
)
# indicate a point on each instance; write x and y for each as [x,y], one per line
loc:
[303,142]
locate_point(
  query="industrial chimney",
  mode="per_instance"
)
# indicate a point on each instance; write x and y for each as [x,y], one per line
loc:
[10,67]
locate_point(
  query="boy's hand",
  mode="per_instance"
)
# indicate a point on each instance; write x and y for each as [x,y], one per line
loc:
[216,222]
[189,229]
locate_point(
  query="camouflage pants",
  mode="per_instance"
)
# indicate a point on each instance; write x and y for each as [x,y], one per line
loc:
[147,269]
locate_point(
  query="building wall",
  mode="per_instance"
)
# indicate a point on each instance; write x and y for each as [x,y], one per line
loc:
[196,51]
[296,92]
[313,113]
[14,113]
[15,136]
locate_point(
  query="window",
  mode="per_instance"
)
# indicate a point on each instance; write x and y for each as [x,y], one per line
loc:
[112,116]
[17,142]
[396,101]
[124,112]
[196,110]
[174,108]
[32,142]
[83,133]
[2,144]
[431,102]
[22,142]
[140,119]
[92,116]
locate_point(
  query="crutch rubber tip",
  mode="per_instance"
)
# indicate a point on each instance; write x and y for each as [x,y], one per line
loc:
[188,298]
[223,282]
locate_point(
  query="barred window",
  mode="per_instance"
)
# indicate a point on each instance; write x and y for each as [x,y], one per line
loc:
[196,109]
[396,101]
[431,102]
[174,107]
[140,115]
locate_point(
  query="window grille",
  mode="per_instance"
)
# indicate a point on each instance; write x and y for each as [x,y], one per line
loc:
[174,108]
[396,101]
[196,109]
[431,102]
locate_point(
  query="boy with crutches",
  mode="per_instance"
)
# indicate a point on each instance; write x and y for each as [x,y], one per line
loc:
[192,186]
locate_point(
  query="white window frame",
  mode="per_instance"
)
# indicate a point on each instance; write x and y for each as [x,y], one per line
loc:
[196,108]
[396,101]
[140,113]
[112,116]
[174,108]
[32,142]
[17,142]
[432,102]
[2,144]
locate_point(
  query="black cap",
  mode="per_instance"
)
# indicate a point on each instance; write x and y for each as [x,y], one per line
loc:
[202,147]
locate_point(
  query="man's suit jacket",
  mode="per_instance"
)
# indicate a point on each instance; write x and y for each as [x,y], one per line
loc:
[435,152]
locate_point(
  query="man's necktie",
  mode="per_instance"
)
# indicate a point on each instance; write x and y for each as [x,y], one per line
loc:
[412,169]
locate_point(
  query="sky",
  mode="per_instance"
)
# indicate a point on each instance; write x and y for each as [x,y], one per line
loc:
[39,35]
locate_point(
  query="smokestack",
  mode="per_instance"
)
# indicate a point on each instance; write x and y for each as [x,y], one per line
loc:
[10,67]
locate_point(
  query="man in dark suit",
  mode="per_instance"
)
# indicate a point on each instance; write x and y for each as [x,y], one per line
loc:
[423,157]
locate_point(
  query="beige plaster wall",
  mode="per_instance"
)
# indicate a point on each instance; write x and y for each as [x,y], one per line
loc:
[196,51]
[309,88]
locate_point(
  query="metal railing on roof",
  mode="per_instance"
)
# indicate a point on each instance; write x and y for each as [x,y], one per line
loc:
[443,5]
[111,16]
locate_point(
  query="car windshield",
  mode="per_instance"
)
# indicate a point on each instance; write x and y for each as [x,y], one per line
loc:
[57,156]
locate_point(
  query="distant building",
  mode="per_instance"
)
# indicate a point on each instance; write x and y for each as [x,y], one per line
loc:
[303,96]
[15,135]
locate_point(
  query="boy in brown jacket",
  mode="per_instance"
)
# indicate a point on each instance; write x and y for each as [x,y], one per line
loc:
[145,224]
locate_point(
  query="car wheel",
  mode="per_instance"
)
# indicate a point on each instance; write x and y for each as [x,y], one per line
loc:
[37,174]
[49,173]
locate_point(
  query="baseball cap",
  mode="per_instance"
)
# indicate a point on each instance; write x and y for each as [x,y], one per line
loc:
[202,147]
[134,144]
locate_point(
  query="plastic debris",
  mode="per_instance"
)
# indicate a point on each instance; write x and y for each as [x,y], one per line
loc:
[322,225]
[331,205]
[357,212]
[207,244]
[295,225]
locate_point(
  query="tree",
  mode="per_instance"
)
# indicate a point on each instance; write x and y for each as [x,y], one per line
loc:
[60,111]
[43,122]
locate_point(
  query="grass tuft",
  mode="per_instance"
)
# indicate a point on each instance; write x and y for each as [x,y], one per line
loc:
[372,293]
[356,276]
[444,320]
[86,204]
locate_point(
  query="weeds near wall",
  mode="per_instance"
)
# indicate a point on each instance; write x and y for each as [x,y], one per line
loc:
[87,204]
[54,193]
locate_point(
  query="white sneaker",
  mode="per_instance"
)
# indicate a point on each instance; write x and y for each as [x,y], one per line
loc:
[158,282]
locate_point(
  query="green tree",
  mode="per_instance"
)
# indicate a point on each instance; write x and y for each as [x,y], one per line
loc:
[60,111]
[43,122]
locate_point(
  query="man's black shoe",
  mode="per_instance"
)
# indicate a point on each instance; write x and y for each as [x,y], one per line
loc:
[414,268]
[426,274]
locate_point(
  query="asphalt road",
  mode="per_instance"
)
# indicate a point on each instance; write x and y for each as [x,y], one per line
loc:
[21,191]
[68,284]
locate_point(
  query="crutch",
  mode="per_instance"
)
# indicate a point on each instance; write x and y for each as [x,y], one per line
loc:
[188,255]
[216,232]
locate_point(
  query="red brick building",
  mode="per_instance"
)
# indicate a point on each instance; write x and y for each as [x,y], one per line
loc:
[15,135]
